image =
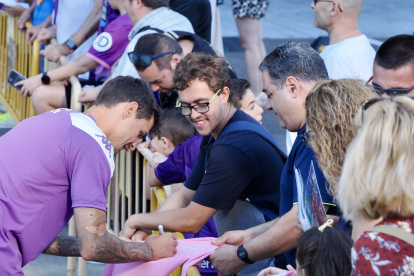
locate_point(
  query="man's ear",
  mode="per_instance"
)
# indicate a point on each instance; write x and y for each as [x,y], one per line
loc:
[225,94]
[175,59]
[293,86]
[130,110]
[335,9]
[139,3]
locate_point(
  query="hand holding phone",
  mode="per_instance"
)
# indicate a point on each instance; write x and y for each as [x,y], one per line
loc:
[15,77]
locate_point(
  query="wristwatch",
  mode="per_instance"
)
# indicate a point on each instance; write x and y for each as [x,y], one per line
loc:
[71,44]
[45,78]
[242,254]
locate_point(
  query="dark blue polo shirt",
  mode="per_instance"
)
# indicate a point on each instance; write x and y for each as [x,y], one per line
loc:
[240,165]
[300,157]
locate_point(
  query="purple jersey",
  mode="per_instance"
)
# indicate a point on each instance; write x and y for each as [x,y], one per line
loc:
[109,46]
[180,162]
[107,16]
[49,165]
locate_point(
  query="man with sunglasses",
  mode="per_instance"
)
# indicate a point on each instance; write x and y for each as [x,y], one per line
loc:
[393,72]
[234,163]
[156,56]
[349,53]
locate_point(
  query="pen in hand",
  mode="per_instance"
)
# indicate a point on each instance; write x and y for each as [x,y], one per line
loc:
[161,229]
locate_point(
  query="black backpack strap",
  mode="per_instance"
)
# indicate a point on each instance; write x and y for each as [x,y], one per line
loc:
[146,28]
[259,130]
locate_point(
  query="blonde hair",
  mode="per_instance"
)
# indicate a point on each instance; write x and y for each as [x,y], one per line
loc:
[330,109]
[377,177]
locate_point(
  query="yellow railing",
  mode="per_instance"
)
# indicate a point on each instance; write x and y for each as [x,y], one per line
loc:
[16,53]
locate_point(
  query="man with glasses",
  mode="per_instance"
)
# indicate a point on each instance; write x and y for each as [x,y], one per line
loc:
[156,56]
[286,84]
[349,53]
[393,72]
[238,158]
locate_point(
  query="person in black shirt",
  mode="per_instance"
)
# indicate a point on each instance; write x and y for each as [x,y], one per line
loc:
[172,47]
[199,14]
[231,165]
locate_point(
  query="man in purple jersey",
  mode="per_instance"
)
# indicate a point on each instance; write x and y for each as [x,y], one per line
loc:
[104,52]
[59,164]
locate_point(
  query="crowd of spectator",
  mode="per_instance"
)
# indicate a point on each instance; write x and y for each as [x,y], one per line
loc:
[152,77]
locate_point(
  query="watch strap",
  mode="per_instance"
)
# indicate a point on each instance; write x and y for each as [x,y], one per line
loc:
[45,78]
[71,44]
[243,255]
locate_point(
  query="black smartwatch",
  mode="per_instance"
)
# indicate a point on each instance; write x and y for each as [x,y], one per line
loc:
[71,44]
[45,78]
[242,254]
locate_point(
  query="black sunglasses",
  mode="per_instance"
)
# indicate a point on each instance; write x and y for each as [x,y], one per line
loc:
[305,137]
[390,91]
[146,60]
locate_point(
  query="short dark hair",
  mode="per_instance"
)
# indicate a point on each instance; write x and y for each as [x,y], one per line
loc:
[155,4]
[211,69]
[155,44]
[238,88]
[396,52]
[128,89]
[175,126]
[295,59]
[325,253]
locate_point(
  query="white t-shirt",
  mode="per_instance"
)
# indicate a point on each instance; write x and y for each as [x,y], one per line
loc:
[70,16]
[161,18]
[351,58]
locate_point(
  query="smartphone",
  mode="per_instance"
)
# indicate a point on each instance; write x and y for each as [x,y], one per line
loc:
[15,77]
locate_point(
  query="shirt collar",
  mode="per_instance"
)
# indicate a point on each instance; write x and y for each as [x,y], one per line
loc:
[148,19]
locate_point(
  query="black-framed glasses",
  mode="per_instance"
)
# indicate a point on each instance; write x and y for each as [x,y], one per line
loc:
[200,108]
[390,91]
[146,60]
[316,1]
[305,137]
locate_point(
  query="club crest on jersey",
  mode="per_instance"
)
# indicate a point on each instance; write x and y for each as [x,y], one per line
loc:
[103,42]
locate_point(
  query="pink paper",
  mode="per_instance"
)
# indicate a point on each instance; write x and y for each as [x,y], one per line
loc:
[189,252]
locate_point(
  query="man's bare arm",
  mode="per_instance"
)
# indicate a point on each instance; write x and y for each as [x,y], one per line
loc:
[281,237]
[95,243]
[177,200]
[90,26]
[63,245]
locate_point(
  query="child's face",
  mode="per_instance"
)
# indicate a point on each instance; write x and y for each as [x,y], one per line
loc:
[249,106]
[158,145]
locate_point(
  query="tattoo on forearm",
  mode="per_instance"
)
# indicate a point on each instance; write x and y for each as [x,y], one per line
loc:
[106,247]
[110,249]
[63,245]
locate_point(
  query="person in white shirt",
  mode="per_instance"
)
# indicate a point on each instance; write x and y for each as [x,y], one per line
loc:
[349,53]
[143,13]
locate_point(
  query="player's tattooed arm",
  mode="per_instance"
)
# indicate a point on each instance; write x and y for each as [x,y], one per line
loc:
[97,244]
[63,245]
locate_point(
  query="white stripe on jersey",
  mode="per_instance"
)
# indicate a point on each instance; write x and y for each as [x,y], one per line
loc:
[86,124]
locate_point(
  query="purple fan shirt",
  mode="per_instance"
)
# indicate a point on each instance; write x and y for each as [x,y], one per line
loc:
[109,46]
[180,162]
[49,165]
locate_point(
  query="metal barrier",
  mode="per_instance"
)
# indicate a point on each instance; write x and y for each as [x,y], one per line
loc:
[16,53]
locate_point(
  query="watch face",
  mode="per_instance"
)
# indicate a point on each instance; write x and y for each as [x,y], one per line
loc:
[242,254]
[70,44]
